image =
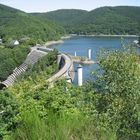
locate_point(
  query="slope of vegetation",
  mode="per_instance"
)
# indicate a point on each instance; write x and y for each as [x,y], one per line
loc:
[10,58]
[15,24]
[64,17]
[104,109]
[104,20]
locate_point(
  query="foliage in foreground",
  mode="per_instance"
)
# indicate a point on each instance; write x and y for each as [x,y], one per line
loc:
[118,81]
[58,127]
[107,108]
[8,109]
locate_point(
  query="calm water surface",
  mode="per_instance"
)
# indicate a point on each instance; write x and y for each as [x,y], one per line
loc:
[82,44]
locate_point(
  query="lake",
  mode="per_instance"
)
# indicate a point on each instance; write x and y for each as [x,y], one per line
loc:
[81,44]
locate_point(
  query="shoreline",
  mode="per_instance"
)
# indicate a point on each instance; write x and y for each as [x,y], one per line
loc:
[78,59]
[102,35]
[85,62]
[49,43]
[66,37]
[60,41]
[53,42]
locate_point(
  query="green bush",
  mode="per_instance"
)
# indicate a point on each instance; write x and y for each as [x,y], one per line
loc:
[8,110]
[10,59]
[118,83]
[57,127]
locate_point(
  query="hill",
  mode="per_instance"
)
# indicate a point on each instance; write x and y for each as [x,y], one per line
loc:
[63,16]
[104,20]
[16,24]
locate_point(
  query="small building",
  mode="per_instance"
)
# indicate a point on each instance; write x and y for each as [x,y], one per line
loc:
[0,41]
[136,41]
[14,42]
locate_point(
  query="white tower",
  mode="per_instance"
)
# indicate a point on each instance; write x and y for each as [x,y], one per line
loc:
[75,54]
[89,54]
[80,75]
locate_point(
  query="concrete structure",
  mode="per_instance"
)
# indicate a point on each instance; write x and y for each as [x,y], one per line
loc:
[66,68]
[32,58]
[89,54]
[80,75]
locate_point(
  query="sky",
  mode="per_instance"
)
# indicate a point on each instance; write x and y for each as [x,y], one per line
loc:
[50,5]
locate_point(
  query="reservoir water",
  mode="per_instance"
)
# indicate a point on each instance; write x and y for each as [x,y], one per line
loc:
[80,45]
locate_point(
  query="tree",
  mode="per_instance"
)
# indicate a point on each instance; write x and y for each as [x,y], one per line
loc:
[118,81]
[10,59]
[8,109]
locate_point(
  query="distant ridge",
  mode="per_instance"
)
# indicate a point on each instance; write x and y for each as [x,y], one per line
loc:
[62,16]
[104,20]
[41,27]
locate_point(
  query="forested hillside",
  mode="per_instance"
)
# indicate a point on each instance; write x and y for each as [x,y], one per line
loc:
[15,24]
[104,20]
[65,17]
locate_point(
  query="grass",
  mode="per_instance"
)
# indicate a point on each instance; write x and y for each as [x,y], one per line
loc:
[57,127]
[1,46]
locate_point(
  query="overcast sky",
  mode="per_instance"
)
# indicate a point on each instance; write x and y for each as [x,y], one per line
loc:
[50,5]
